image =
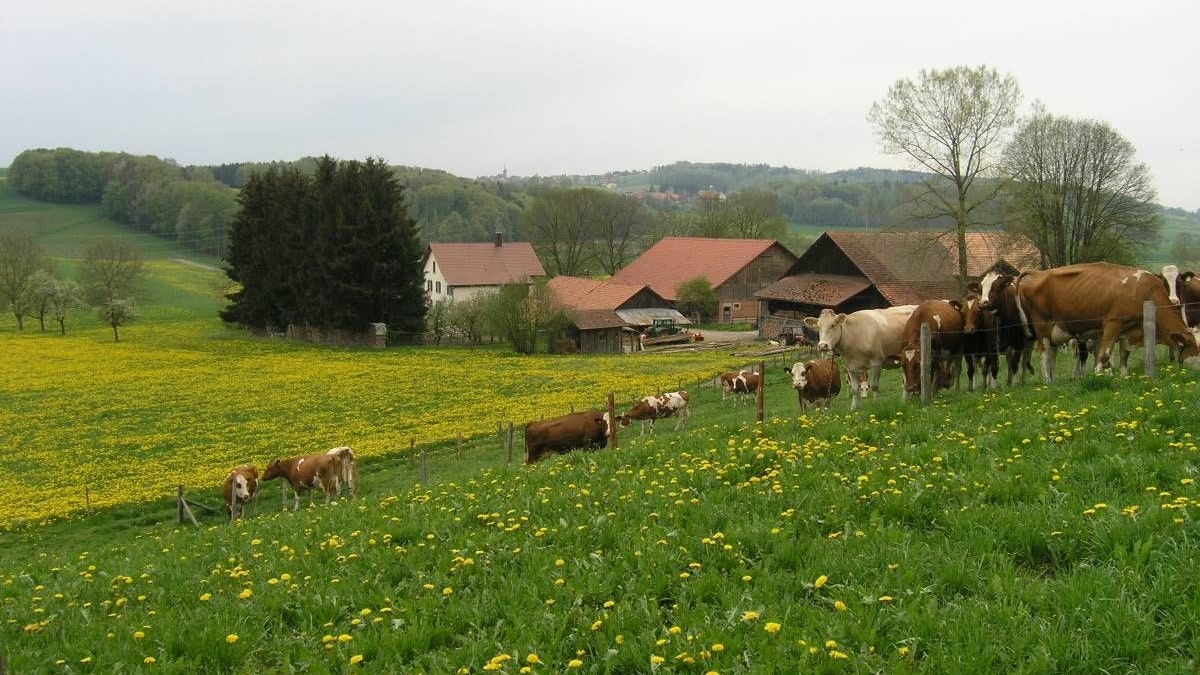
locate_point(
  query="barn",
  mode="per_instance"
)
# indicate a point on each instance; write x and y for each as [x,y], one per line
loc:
[736,268]
[849,271]
[607,316]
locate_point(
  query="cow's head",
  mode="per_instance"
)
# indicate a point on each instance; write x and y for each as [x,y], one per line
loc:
[622,419]
[991,291]
[1188,344]
[273,470]
[910,364]
[972,308]
[863,384]
[800,371]
[829,329]
[241,487]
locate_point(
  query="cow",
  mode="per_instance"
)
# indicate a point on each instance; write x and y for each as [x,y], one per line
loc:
[306,473]
[241,486]
[1184,290]
[816,381]
[1098,300]
[348,476]
[740,384]
[980,338]
[945,321]
[651,408]
[867,340]
[588,429]
[999,295]
[863,383]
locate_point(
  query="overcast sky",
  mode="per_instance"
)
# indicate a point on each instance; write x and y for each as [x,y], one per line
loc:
[558,86]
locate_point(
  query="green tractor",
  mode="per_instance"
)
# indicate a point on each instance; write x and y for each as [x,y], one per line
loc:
[661,327]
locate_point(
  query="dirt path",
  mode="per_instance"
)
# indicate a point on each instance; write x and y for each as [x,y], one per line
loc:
[193,263]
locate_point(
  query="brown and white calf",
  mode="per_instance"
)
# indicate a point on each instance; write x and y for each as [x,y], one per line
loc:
[651,408]
[945,321]
[739,384]
[348,476]
[816,381]
[306,473]
[1099,300]
[587,429]
[241,486]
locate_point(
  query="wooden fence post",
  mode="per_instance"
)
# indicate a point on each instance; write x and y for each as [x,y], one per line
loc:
[612,421]
[412,452]
[87,502]
[509,442]
[762,385]
[182,509]
[460,442]
[422,476]
[1148,331]
[926,365]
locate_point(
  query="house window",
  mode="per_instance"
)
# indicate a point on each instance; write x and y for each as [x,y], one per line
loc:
[737,305]
[437,287]
[428,285]
[435,267]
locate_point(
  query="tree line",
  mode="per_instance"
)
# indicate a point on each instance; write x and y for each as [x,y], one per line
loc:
[109,280]
[335,250]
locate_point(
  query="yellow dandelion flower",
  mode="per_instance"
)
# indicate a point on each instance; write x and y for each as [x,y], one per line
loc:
[205,597]
[772,627]
[839,606]
[356,659]
[820,581]
[149,660]
[533,658]
[344,638]
[231,638]
[574,663]
[749,615]
[246,593]
[717,647]
[655,659]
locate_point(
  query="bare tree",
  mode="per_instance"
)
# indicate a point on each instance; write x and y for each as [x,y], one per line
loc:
[614,228]
[755,214]
[64,296]
[1078,192]
[111,269]
[951,124]
[20,259]
[558,227]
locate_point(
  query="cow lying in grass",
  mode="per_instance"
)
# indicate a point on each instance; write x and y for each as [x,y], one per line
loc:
[306,473]
[587,429]
[652,408]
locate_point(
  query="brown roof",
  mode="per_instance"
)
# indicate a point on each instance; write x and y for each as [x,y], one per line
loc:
[485,264]
[593,319]
[580,293]
[828,290]
[674,260]
[986,249]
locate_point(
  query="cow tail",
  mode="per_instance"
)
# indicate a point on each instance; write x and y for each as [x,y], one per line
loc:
[1020,308]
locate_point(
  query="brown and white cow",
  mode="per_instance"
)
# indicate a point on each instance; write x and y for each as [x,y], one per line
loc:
[348,475]
[587,429]
[817,381]
[945,321]
[980,338]
[1184,290]
[740,384]
[867,340]
[999,295]
[1098,300]
[650,408]
[241,486]
[306,473]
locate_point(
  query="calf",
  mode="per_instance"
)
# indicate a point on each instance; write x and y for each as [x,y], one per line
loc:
[241,486]
[588,430]
[305,473]
[739,384]
[816,381]
[945,321]
[652,408]
[348,476]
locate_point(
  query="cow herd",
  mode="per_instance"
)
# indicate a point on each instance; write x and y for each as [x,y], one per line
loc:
[330,471]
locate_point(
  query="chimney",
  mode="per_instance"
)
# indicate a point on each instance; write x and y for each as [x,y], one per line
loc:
[499,239]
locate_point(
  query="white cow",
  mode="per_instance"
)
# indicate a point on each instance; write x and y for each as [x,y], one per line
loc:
[867,341]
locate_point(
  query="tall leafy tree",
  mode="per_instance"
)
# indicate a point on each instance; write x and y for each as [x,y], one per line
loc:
[950,124]
[1079,192]
[20,261]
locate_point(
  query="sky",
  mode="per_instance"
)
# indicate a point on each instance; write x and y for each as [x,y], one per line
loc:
[547,87]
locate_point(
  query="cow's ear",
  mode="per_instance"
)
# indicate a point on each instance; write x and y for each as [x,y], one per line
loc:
[974,287]
[1182,340]
[956,305]
[1187,276]
[787,369]
[839,319]
[810,321]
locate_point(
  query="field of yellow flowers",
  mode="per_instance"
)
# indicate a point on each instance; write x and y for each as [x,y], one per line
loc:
[1033,529]
[179,402]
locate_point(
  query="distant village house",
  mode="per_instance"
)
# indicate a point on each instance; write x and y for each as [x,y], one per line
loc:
[456,271]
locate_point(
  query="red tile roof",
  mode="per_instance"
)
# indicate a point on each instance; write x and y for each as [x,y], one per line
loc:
[475,264]
[580,293]
[986,249]
[828,290]
[674,260]
[593,319]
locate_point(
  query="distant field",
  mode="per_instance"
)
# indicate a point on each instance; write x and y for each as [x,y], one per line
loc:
[66,230]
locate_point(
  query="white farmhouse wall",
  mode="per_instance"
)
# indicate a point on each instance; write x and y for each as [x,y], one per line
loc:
[435,280]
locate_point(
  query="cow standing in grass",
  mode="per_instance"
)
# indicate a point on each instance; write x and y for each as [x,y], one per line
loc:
[241,486]
[945,322]
[980,339]
[305,474]
[348,476]
[652,408]
[740,384]
[588,430]
[817,381]
[867,341]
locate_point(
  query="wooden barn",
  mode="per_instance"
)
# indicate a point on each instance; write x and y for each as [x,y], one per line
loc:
[607,316]
[849,271]
[736,268]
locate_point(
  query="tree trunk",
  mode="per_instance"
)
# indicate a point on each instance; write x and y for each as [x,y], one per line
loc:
[115,338]
[62,326]
[961,227]
[20,321]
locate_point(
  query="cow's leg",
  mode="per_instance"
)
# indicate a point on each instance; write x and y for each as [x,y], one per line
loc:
[233,500]
[1048,352]
[872,374]
[1112,331]
[971,363]
[283,493]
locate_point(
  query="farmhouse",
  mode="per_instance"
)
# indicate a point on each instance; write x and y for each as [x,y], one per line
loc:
[736,268]
[458,271]
[607,315]
[849,271]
